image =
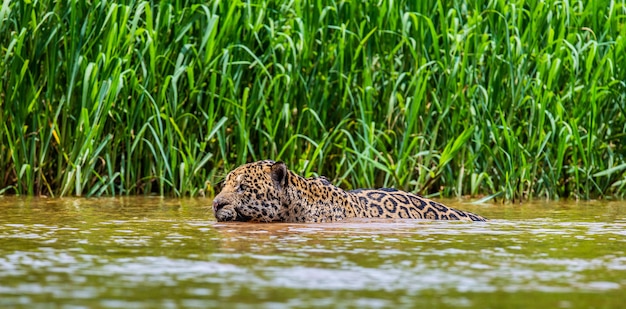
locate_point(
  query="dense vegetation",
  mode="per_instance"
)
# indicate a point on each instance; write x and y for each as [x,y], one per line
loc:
[509,99]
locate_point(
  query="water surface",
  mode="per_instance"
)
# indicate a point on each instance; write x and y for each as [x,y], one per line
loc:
[170,253]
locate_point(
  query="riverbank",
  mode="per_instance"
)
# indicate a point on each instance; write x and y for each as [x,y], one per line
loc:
[506,100]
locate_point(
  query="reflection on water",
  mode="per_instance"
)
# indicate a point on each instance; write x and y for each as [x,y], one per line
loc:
[153,252]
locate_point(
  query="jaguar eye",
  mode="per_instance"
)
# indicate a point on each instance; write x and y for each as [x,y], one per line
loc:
[241,187]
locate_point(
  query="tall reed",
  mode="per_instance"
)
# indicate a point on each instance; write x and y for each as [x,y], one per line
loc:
[516,100]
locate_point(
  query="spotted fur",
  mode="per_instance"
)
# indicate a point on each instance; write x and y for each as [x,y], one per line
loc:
[266,191]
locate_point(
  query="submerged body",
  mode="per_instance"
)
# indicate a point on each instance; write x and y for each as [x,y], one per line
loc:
[266,191]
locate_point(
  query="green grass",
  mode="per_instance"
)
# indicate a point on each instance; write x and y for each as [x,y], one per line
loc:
[506,99]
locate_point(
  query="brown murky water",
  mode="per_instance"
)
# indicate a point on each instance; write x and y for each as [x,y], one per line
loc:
[167,253]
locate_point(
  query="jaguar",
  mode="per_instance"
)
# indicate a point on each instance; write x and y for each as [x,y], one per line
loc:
[266,191]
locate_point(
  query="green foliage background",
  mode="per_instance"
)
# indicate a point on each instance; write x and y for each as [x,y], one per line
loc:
[509,99]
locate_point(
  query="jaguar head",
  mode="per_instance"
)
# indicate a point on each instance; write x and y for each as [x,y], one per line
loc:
[252,192]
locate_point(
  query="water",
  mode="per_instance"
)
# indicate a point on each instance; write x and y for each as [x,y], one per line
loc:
[166,253]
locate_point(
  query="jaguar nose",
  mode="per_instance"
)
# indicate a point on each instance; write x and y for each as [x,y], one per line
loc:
[218,204]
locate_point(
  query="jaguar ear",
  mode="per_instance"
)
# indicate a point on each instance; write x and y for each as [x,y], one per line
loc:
[279,174]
